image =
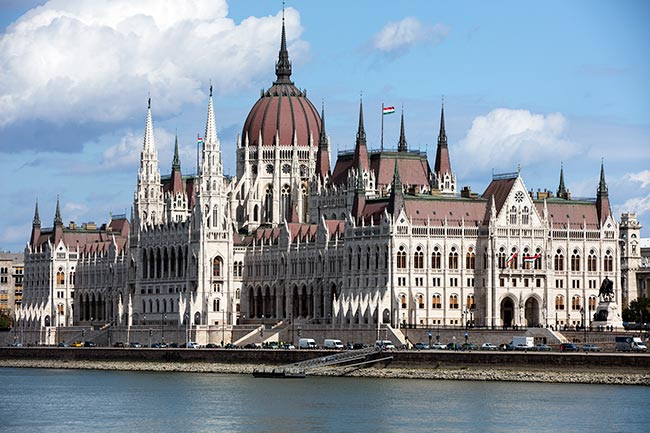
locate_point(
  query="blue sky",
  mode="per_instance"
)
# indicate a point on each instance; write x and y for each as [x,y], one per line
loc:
[536,84]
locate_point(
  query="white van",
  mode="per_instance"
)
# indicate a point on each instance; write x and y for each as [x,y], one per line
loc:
[307,343]
[385,344]
[330,343]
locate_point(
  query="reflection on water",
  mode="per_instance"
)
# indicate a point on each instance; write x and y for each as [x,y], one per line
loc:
[107,401]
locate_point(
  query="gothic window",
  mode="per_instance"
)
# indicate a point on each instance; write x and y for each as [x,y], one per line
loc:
[470,259]
[377,258]
[255,212]
[268,204]
[420,301]
[358,258]
[436,301]
[538,258]
[525,216]
[575,303]
[558,261]
[559,302]
[216,266]
[608,262]
[401,258]
[514,259]
[215,305]
[305,203]
[403,300]
[349,260]
[575,261]
[453,259]
[453,302]
[368,258]
[592,262]
[418,258]
[592,303]
[470,302]
[513,215]
[501,258]
[60,278]
[435,258]
[215,216]
[286,169]
[304,173]
[285,209]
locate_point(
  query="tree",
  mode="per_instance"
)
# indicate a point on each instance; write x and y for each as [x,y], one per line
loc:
[5,322]
[638,311]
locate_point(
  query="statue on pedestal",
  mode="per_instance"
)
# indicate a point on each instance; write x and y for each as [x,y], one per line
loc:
[606,292]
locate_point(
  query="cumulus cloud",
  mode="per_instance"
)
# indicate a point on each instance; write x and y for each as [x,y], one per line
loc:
[642,177]
[79,61]
[504,137]
[399,37]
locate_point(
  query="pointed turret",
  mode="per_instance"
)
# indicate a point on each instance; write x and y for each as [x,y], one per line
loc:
[602,197]
[562,192]
[210,136]
[176,162]
[58,223]
[396,193]
[359,201]
[149,143]
[148,195]
[401,145]
[36,228]
[360,149]
[443,164]
[322,155]
[283,65]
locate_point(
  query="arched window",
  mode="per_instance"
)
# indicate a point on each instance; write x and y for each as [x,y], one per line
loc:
[470,302]
[558,262]
[575,261]
[608,262]
[401,258]
[575,302]
[403,300]
[215,305]
[435,258]
[305,203]
[60,278]
[349,260]
[436,301]
[538,258]
[592,261]
[592,303]
[285,203]
[418,258]
[216,266]
[453,258]
[525,216]
[368,258]
[470,259]
[268,204]
[501,258]
[421,301]
[358,258]
[513,259]
[453,302]
[513,215]
[559,302]
[215,216]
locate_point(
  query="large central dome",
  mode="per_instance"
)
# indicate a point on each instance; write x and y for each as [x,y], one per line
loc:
[282,110]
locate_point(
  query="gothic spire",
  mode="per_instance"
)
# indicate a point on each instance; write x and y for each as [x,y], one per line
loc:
[396,193]
[322,137]
[602,186]
[37,218]
[360,158]
[148,130]
[210,136]
[176,162]
[561,190]
[443,164]
[322,155]
[401,145]
[57,215]
[442,135]
[283,65]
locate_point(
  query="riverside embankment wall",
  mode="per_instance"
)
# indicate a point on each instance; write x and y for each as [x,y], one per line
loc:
[401,359]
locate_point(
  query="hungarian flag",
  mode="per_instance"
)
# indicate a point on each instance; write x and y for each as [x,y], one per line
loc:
[511,258]
[389,110]
[530,259]
[199,139]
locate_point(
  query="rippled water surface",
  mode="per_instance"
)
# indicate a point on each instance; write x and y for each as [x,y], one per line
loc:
[112,401]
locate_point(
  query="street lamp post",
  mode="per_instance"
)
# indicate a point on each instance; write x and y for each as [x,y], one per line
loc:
[162,336]
[466,323]
[187,327]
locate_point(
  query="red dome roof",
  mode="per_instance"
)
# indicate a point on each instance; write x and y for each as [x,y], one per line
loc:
[282,109]
[285,109]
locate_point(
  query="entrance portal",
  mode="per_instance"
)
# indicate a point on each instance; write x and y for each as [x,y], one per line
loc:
[507,312]
[532,312]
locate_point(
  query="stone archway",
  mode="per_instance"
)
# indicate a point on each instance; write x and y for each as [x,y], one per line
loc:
[507,312]
[531,312]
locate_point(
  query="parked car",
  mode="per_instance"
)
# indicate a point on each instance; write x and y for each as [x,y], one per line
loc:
[421,346]
[488,346]
[90,344]
[568,347]
[359,346]
[118,344]
[439,346]
[231,346]
[453,346]
[591,348]
[287,346]
[469,346]
[506,347]
[77,344]
[542,348]
[252,346]
[193,345]
[173,345]
[135,344]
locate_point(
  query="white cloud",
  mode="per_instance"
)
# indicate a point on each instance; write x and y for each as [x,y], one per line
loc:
[401,35]
[505,137]
[638,205]
[79,61]
[642,177]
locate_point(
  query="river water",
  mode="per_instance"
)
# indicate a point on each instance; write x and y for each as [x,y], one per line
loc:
[38,400]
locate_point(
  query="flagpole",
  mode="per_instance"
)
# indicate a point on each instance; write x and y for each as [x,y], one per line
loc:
[382,126]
